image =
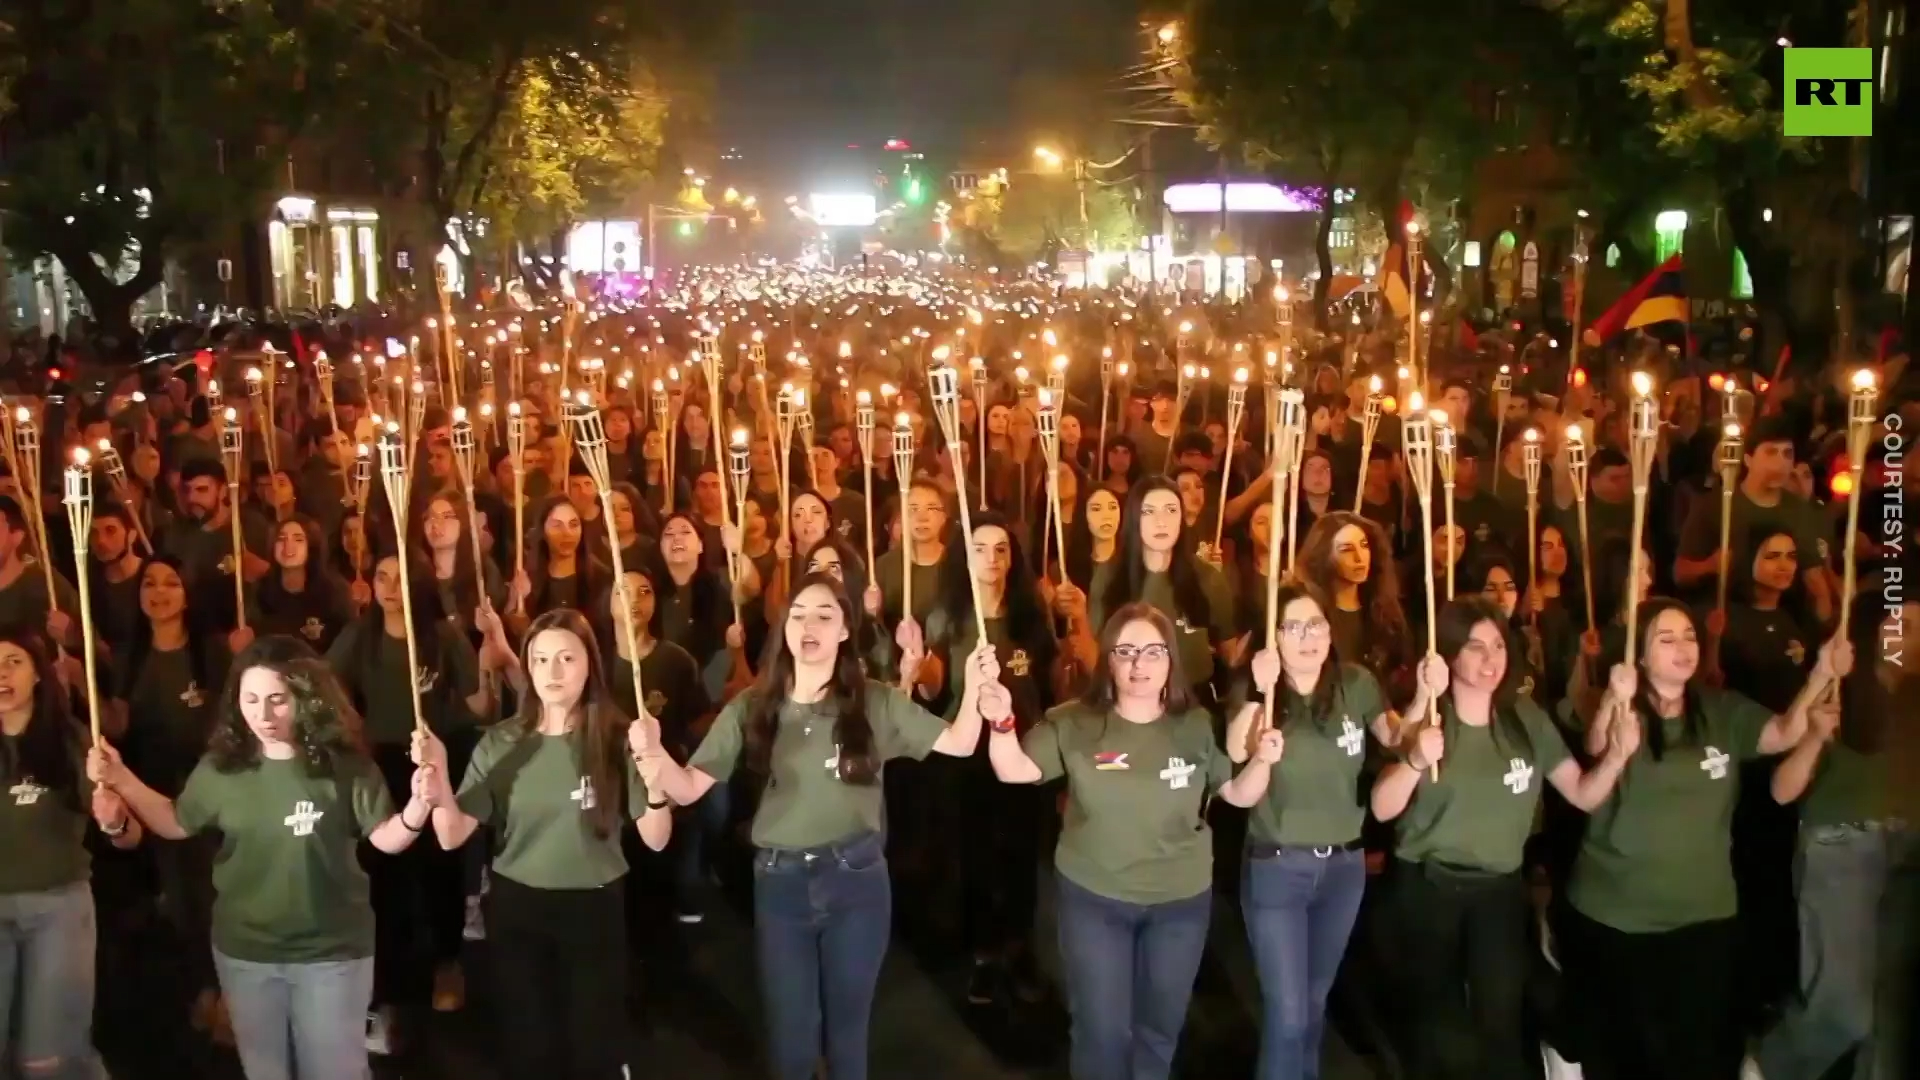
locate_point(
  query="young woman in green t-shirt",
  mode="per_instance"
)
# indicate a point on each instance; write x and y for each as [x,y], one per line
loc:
[1651,941]
[289,788]
[1459,902]
[817,733]
[558,785]
[1135,859]
[46,895]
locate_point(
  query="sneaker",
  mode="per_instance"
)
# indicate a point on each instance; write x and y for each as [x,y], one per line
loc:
[380,1033]
[449,988]
[981,985]
[476,925]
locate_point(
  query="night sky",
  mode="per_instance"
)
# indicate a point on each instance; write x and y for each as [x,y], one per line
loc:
[807,75]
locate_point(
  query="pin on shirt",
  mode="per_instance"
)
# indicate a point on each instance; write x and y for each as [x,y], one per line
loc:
[1352,737]
[1110,761]
[26,792]
[1519,776]
[584,794]
[1177,773]
[193,695]
[1715,763]
[303,818]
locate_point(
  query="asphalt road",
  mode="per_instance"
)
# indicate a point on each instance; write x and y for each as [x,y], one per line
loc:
[697,1013]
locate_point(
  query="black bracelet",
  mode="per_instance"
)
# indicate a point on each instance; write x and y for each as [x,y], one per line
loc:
[661,805]
[402,815]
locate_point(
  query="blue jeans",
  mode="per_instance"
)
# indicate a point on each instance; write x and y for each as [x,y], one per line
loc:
[308,1020]
[1857,890]
[1299,907]
[822,919]
[1129,971]
[46,965]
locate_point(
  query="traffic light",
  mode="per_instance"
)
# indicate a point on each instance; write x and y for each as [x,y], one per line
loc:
[916,192]
[686,228]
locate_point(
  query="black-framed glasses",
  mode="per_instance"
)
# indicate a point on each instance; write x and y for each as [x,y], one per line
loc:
[1300,629]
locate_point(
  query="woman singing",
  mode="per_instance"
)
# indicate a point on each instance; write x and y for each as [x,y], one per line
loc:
[817,734]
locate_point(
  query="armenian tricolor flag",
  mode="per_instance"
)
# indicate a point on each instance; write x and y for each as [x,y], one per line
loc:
[1110,761]
[1660,297]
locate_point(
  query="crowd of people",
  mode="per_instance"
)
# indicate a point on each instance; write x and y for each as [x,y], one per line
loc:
[1533,795]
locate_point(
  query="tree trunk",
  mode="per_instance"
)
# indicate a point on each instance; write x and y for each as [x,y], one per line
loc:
[1678,31]
[111,301]
[1323,250]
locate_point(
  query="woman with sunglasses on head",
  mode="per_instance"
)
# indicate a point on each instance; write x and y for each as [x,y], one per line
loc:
[1135,860]
[816,733]
[288,787]
[1306,871]
[558,785]
[1156,565]
[1651,942]
[47,923]
[1459,899]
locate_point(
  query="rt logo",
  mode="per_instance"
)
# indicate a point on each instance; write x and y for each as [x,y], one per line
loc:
[1830,92]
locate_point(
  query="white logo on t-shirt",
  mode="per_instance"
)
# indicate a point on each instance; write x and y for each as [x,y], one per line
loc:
[1519,775]
[1176,773]
[26,792]
[302,819]
[1352,738]
[1715,763]
[193,695]
[584,793]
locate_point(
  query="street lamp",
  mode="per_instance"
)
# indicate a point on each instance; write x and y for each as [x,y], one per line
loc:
[1048,156]
[1168,33]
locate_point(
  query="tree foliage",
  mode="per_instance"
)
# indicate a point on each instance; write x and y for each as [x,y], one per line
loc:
[127,135]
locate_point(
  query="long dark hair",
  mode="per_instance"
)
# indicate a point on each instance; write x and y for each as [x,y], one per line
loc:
[1183,568]
[322,583]
[707,592]
[428,618]
[1386,622]
[325,726]
[141,645]
[603,722]
[1026,619]
[1079,561]
[1320,704]
[1101,693]
[846,694]
[49,748]
[589,574]
[1793,600]
[1653,726]
[462,585]
[1453,628]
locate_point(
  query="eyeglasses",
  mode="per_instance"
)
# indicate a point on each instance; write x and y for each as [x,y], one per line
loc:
[1298,629]
[1133,654]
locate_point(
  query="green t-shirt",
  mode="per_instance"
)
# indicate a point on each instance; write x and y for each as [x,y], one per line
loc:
[1700,537]
[1135,828]
[1849,788]
[378,678]
[1197,642]
[42,831]
[1478,815]
[1657,856]
[23,602]
[287,881]
[170,714]
[806,804]
[1316,797]
[926,588]
[535,791]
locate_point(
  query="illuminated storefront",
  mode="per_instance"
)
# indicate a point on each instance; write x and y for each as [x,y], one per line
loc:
[317,256]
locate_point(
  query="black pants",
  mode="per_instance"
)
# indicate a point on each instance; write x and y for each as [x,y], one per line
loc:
[1464,958]
[999,860]
[419,896]
[560,962]
[1660,1006]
